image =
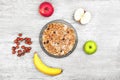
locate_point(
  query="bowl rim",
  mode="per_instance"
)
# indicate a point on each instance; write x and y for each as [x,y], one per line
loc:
[41,33]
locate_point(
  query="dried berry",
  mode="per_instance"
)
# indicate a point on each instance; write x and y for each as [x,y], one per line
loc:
[18,38]
[18,55]
[29,43]
[23,49]
[20,34]
[17,46]
[29,48]
[18,43]
[13,48]
[13,52]
[15,41]
[19,51]
[21,39]
[28,39]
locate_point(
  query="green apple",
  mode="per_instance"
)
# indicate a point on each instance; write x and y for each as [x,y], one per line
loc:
[90,47]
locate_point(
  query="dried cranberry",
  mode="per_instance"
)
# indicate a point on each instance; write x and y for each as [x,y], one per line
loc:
[15,41]
[23,47]
[19,51]
[18,43]
[17,46]
[29,43]
[28,51]
[20,39]
[13,52]
[13,48]
[20,34]
[28,39]
[29,48]
[19,55]
[26,42]
[24,51]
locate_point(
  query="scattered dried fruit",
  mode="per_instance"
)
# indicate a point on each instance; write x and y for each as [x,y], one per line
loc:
[21,49]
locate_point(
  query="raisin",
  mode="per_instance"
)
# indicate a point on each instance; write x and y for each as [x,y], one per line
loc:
[54,32]
[44,42]
[63,39]
[47,41]
[48,28]
[60,50]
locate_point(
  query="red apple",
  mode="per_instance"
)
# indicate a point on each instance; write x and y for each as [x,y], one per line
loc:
[46,9]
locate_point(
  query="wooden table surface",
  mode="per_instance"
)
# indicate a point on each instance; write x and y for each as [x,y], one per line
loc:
[18,16]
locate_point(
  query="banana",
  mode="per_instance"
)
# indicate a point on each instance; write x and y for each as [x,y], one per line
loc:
[82,16]
[44,68]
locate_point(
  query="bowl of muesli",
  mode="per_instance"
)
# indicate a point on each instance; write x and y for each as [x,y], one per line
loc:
[58,38]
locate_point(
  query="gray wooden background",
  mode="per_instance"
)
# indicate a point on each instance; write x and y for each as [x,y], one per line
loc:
[22,16]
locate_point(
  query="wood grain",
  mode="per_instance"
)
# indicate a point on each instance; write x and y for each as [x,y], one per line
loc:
[22,16]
